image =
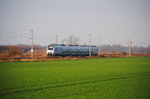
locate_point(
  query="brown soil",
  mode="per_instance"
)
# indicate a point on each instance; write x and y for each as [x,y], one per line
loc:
[45,58]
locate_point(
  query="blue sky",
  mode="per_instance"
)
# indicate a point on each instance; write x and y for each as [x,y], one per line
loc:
[113,21]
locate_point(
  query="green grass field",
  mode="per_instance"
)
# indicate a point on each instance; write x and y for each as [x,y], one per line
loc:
[109,78]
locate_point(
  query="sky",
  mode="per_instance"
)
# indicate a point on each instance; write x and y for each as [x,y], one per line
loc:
[108,21]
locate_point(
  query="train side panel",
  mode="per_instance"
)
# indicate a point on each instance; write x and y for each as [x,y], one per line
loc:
[71,50]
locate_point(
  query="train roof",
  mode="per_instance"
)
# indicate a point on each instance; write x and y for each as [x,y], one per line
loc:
[69,45]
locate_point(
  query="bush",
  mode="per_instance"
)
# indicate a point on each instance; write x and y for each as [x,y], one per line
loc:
[14,50]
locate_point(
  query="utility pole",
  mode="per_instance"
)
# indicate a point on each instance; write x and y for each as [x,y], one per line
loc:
[129,49]
[99,48]
[71,39]
[90,45]
[32,44]
[56,38]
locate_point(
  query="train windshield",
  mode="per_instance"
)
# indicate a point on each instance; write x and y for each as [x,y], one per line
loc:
[50,47]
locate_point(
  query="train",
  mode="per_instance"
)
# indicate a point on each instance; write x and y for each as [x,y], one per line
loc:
[71,50]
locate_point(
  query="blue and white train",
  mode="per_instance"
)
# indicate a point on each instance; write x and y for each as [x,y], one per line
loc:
[70,50]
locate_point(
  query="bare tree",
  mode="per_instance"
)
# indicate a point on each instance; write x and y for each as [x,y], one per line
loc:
[14,50]
[73,40]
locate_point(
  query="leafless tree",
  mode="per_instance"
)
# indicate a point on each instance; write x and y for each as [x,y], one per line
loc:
[73,40]
[14,50]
